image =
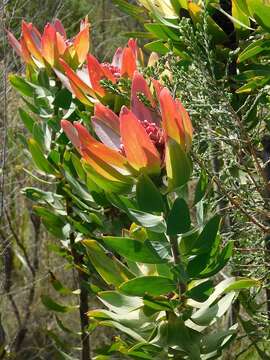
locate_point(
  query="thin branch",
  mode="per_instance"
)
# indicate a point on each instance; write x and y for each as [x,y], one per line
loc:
[234,202]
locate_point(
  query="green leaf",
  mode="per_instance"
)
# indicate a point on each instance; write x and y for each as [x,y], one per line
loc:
[207,315]
[54,223]
[134,250]
[64,328]
[38,157]
[27,120]
[152,285]
[109,268]
[152,222]
[157,46]
[148,196]
[255,83]
[32,126]
[206,240]
[108,185]
[179,219]
[63,99]
[80,190]
[242,284]
[58,286]
[162,32]
[120,201]
[139,35]
[255,48]
[202,291]
[214,342]
[122,328]
[203,266]
[54,306]
[78,166]
[201,187]
[130,9]
[158,305]
[180,335]
[21,85]
[260,11]
[240,15]
[178,165]
[118,302]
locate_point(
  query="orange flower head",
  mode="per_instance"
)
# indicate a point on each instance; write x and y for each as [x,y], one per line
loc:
[138,138]
[40,50]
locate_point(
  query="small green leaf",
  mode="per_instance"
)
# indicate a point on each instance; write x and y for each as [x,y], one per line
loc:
[21,85]
[162,32]
[202,291]
[58,286]
[63,99]
[214,342]
[109,268]
[148,196]
[152,222]
[208,314]
[157,46]
[180,335]
[201,187]
[260,11]
[255,48]
[38,157]
[54,223]
[28,121]
[243,283]
[206,240]
[130,9]
[204,266]
[179,219]
[54,306]
[134,250]
[152,285]
[78,166]
[178,165]
[118,302]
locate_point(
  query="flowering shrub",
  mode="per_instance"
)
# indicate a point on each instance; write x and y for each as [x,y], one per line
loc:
[123,209]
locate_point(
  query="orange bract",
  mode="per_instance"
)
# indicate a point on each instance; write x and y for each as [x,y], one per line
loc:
[45,49]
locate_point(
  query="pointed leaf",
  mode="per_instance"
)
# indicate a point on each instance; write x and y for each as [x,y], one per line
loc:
[178,165]
[38,157]
[179,219]
[152,222]
[134,250]
[148,196]
[109,268]
[152,285]
[54,306]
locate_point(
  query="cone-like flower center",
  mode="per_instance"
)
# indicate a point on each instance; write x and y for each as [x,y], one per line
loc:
[113,69]
[155,134]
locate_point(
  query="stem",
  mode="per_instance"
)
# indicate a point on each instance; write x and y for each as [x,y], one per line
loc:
[83,306]
[178,262]
[85,338]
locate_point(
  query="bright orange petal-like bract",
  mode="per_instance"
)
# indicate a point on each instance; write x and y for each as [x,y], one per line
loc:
[175,119]
[139,149]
